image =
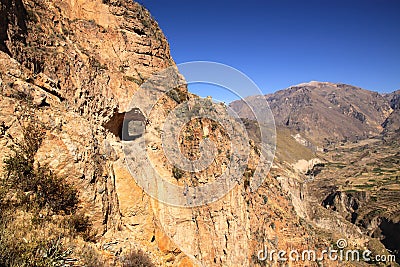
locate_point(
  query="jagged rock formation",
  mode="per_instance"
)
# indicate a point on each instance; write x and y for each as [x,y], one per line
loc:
[79,63]
[392,124]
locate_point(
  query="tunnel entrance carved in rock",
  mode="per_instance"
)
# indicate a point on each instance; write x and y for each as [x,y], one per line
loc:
[127,126]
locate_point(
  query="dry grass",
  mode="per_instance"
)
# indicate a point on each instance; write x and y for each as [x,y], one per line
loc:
[288,149]
[136,258]
[38,209]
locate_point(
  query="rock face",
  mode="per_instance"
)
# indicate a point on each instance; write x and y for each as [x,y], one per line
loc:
[78,63]
[392,124]
[326,112]
[394,99]
[86,52]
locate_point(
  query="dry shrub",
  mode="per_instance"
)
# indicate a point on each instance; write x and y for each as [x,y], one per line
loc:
[35,205]
[136,258]
[89,256]
[25,244]
[81,224]
[36,184]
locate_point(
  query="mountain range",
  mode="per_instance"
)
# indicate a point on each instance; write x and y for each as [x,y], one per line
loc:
[324,112]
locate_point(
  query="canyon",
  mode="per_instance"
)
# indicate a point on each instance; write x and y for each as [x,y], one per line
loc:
[74,68]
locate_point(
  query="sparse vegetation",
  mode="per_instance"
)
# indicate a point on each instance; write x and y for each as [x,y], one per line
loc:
[35,184]
[177,173]
[133,79]
[177,95]
[25,245]
[38,209]
[90,257]
[3,129]
[136,259]
[80,224]
[95,63]
[265,199]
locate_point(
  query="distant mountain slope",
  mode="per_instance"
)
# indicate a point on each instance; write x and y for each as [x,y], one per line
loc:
[326,112]
[394,99]
[392,123]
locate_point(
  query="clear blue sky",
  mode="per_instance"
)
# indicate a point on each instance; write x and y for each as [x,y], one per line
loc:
[281,43]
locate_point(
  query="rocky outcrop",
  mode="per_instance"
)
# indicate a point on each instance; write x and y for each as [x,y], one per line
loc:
[392,124]
[77,63]
[394,99]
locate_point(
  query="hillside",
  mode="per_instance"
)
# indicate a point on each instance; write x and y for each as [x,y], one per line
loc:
[392,123]
[325,112]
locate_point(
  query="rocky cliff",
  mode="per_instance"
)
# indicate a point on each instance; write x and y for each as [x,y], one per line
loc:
[78,63]
[392,124]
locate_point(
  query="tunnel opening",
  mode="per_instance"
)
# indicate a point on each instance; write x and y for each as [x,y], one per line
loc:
[127,126]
